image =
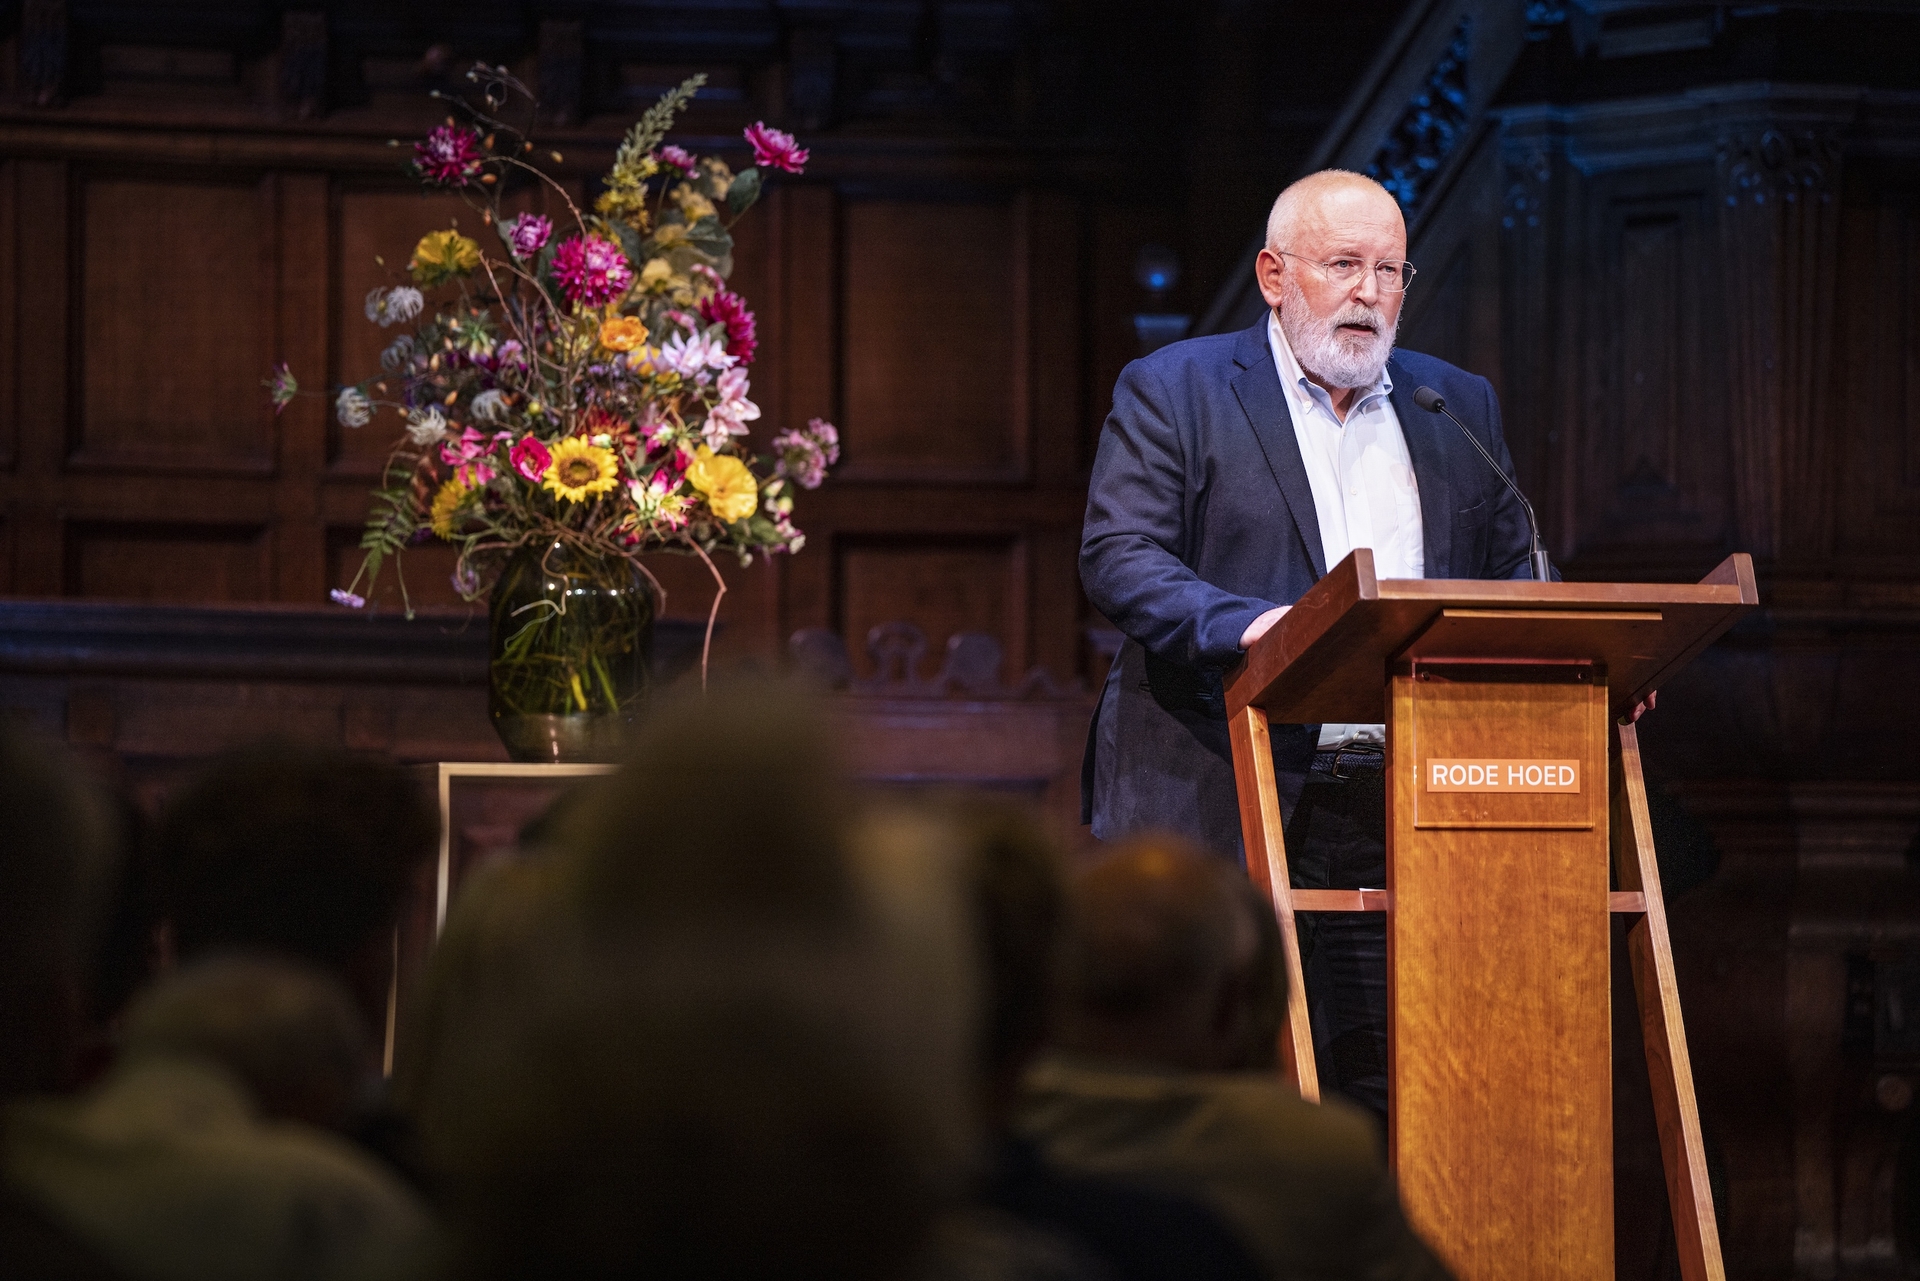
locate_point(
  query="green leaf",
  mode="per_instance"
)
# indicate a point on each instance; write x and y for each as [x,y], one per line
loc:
[630,244]
[744,191]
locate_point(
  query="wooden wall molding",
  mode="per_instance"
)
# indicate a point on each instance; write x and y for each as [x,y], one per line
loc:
[1779,185]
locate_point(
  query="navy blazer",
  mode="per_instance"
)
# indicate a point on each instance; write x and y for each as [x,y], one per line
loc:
[1200,518]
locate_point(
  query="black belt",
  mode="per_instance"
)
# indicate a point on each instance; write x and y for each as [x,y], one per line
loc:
[1354,760]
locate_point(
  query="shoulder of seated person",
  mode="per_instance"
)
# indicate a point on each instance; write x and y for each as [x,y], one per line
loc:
[1264,1098]
[1251,1105]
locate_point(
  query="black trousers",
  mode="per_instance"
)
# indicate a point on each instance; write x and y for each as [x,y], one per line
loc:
[1337,839]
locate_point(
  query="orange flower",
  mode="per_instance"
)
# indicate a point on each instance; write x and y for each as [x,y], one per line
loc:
[622,333]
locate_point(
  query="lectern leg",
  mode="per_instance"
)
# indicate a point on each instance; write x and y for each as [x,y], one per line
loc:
[1263,835]
[1668,1064]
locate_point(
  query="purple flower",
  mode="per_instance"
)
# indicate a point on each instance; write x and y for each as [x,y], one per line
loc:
[450,156]
[804,455]
[529,235]
[348,599]
[679,159]
[591,270]
[773,147]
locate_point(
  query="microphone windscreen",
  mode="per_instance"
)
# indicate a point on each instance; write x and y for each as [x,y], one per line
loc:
[1428,399]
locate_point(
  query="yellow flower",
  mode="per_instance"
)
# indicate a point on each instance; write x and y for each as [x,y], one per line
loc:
[726,484]
[580,470]
[670,235]
[627,202]
[656,273]
[622,333]
[718,175]
[442,255]
[694,205]
[447,502]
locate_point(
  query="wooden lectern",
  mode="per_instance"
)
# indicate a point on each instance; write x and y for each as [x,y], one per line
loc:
[1502,702]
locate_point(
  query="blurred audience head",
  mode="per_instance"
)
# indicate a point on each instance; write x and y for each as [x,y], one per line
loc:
[302,851]
[59,863]
[287,1032]
[719,1027]
[1174,961]
[1016,882]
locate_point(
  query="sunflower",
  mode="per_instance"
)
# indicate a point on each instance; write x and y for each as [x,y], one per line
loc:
[447,502]
[580,470]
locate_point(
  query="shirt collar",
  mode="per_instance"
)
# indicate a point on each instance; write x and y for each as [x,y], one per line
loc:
[1302,390]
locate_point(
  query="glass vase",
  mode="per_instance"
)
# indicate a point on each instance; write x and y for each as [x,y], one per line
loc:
[572,636]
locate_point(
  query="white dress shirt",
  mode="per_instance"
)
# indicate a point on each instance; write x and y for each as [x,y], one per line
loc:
[1364,491]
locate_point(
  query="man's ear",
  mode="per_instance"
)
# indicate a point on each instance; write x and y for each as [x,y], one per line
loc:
[1269,270]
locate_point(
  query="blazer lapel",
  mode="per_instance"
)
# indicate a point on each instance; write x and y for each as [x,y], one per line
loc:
[1420,430]
[1265,404]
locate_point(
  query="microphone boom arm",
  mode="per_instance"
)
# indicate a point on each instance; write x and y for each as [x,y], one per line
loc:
[1431,401]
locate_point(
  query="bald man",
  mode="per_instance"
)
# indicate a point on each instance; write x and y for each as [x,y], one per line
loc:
[1232,472]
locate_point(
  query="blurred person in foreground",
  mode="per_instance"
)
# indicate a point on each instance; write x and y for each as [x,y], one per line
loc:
[297,850]
[1166,1072]
[306,852]
[60,858]
[204,1154]
[1016,880]
[717,1027]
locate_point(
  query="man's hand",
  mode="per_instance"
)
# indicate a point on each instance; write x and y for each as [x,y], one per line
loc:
[1259,626]
[1642,708]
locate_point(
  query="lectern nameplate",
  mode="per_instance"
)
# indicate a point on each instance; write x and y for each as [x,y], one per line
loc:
[1529,715]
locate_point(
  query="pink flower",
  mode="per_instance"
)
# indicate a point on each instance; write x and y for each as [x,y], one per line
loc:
[679,159]
[530,458]
[465,447]
[689,355]
[772,147]
[450,156]
[804,455]
[591,270]
[529,235]
[730,309]
[733,412]
[348,599]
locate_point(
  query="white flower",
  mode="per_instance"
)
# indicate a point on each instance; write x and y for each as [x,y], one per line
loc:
[390,306]
[397,353]
[352,408]
[490,406]
[687,356]
[715,433]
[424,426]
[405,303]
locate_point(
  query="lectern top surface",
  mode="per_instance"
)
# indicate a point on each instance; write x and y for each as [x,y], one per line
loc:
[1328,658]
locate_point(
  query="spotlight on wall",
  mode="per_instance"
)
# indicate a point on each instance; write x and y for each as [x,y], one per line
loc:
[1156,269]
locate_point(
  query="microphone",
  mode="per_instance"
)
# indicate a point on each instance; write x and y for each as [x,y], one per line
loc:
[1431,401]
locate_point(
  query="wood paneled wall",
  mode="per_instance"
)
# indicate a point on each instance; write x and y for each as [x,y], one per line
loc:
[939,308]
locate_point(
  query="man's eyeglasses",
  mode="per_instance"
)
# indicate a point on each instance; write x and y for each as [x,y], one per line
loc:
[1394,277]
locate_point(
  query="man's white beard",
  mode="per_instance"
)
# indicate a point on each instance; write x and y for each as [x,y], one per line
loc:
[1336,359]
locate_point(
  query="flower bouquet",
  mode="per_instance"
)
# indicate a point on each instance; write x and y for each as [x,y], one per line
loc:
[573,398]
